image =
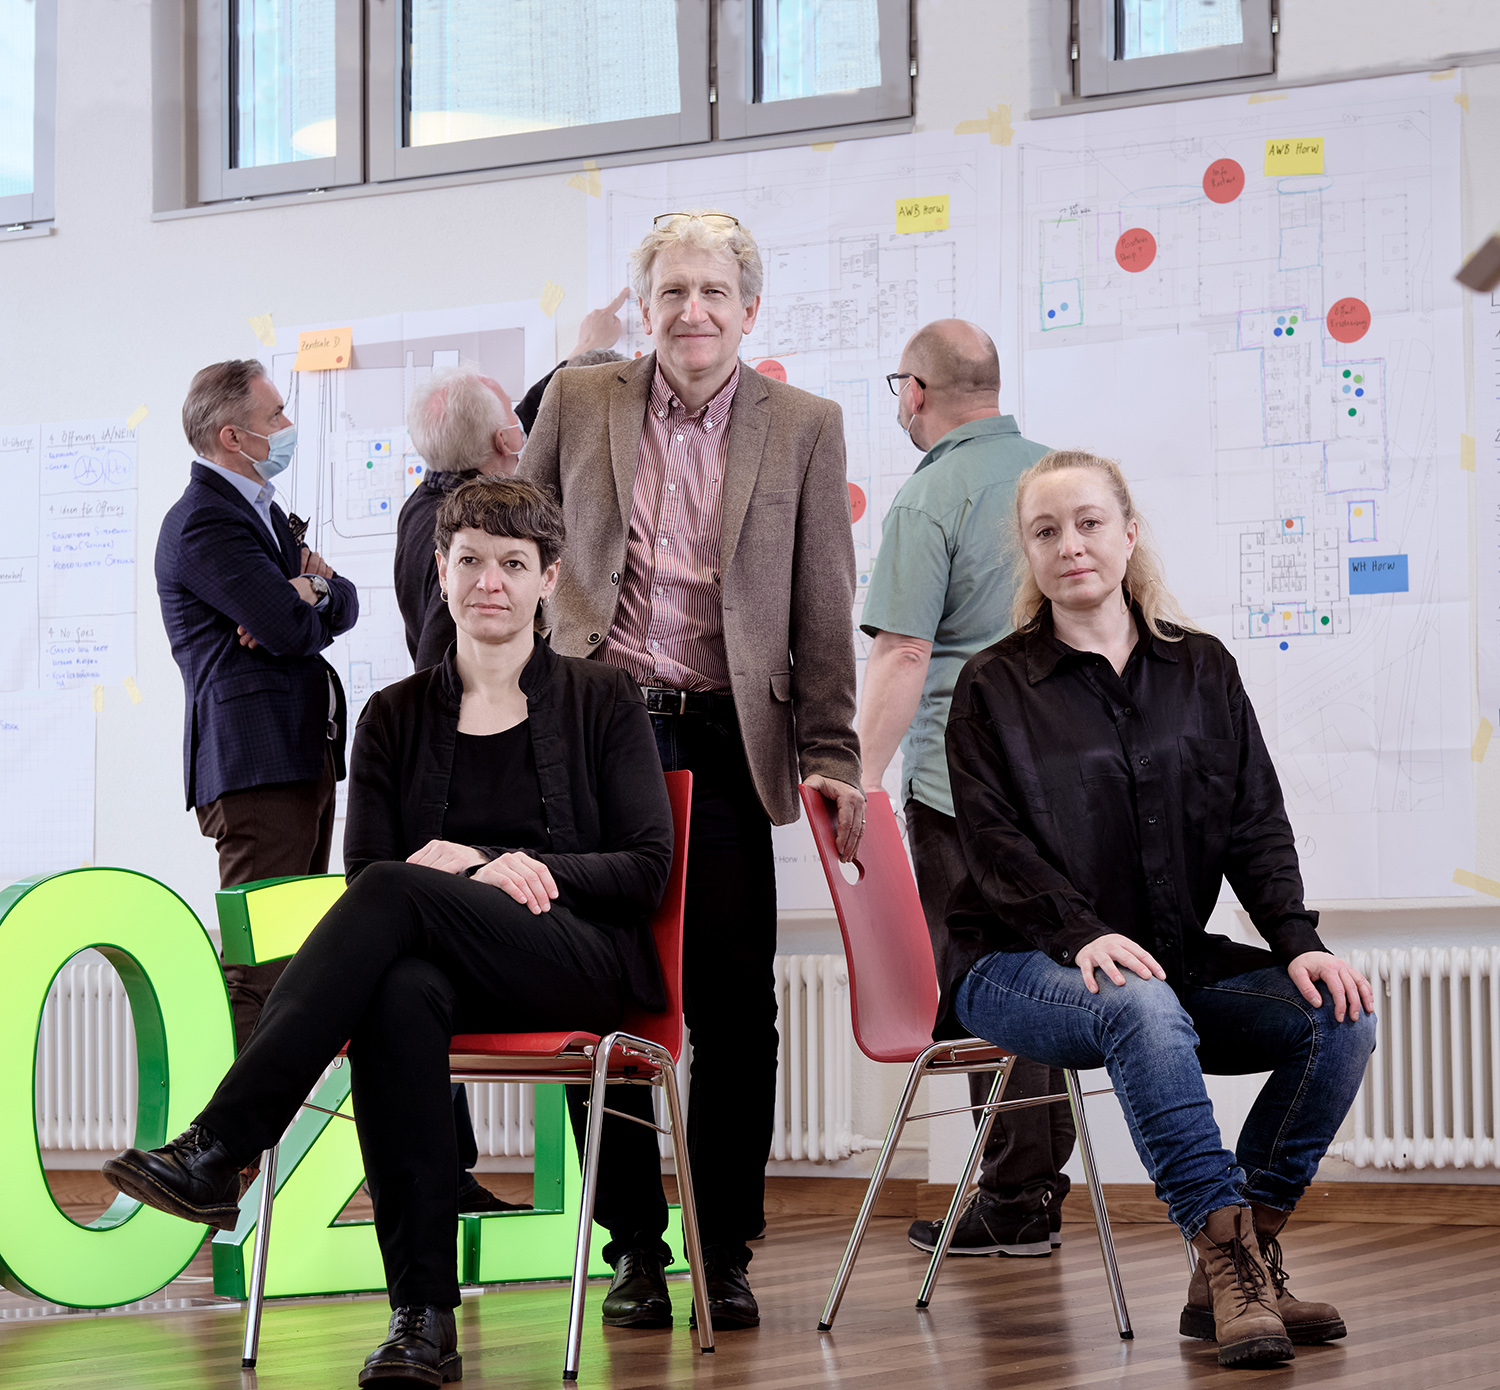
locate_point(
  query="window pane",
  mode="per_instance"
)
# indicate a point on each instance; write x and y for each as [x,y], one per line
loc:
[1149,28]
[811,48]
[284,81]
[481,68]
[17,94]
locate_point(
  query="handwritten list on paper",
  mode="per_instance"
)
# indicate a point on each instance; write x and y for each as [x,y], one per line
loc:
[67,554]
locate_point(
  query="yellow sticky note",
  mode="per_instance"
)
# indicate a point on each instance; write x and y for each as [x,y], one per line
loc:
[588,181]
[1466,452]
[262,327]
[1477,882]
[136,416]
[922,214]
[996,124]
[132,690]
[552,296]
[1302,155]
[98,698]
[324,350]
[823,145]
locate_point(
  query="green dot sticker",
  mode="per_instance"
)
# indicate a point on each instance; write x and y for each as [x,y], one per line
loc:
[1294,318]
[369,463]
[1324,620]
[1353,411]
[1358,379]
[1290,331]
[1347,373]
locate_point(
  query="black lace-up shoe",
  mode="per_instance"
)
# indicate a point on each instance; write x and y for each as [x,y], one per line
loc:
[421,1348]
[194,1177]
[730,1302]
[985,1228]
[638,1295]
[475,1199]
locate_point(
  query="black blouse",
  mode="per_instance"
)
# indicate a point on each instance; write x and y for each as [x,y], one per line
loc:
[1089,802]
[494,797]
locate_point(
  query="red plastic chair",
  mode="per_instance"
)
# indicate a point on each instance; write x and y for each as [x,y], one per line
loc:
[893,992]
[642,1052]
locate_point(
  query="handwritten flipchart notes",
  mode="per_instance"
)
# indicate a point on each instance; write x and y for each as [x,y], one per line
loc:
[67,554]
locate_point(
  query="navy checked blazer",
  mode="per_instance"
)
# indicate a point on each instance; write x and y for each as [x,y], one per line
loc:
[253,715]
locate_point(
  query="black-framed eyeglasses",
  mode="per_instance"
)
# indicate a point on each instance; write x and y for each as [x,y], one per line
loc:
[895,379]
[719,221]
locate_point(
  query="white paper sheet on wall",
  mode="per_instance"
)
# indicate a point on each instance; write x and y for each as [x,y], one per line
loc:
[844,290]
[67,554]
[1486,462]
[1278,364]
[47,770]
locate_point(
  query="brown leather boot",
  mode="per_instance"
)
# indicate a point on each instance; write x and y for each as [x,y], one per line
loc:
[1305,1322]
[1239,1292]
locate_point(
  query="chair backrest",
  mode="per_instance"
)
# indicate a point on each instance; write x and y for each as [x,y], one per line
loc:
[666,927]
[893,985]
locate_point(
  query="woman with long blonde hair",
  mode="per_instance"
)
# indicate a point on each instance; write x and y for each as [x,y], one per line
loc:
[1108,774]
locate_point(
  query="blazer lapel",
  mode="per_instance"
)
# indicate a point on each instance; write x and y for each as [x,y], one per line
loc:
[749,419]
[276,548]
[627,412]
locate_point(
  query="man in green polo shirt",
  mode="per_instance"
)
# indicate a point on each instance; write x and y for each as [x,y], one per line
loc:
[939,593]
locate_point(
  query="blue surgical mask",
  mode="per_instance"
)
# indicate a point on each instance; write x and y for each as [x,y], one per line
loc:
[282,445]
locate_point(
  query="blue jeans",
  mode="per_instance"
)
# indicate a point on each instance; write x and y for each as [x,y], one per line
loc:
[1157,1047]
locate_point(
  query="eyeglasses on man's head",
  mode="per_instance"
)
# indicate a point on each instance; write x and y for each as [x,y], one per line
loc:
[719,221]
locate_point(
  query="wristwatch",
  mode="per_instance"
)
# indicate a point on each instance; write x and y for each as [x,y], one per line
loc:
[319,585]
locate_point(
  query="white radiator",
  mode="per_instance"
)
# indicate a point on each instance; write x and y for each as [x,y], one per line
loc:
[814,1060]
[86,1069]
[1432,1091]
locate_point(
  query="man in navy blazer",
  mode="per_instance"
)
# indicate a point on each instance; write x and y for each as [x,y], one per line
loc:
[248,609]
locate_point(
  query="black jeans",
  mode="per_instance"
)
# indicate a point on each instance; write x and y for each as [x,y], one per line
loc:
[405,959]
[1023,1160]
[729,1003]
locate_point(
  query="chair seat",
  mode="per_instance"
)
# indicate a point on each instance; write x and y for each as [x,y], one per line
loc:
[553,1053]
[528,1045]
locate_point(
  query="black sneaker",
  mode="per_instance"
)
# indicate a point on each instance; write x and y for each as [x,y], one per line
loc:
[983,1229]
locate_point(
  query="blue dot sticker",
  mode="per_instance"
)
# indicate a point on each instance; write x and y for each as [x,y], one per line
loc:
[1359,390]
[1283,646]
[1277,332]
[1281,319]
[1051,313]
[1346,390]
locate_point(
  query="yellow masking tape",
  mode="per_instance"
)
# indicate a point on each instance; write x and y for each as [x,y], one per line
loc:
[262,327]
[1466,452]
[132,690]
[1477,882]
[552,296]
[136,416]
[98,698]
[996,124]
[588,181]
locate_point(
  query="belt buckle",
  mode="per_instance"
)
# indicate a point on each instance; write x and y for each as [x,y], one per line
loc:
[682,701]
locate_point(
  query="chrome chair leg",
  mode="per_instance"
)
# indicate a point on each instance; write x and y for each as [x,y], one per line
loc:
[1101,1214]
[966,1182]
[257,1297]
[594,1136]
[690,1237]
[872,1192]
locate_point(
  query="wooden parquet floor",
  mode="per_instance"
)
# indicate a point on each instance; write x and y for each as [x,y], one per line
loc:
[1422,1304]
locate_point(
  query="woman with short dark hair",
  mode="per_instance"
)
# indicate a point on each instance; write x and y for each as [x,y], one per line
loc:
[1108,774]
[508,838]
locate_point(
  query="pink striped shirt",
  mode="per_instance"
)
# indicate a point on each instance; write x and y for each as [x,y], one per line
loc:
[669,626]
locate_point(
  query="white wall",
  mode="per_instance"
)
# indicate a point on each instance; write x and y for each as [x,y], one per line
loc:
[116,309]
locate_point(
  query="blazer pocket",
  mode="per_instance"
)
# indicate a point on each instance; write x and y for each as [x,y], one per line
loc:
[251,683]
[781,686]
[780,497]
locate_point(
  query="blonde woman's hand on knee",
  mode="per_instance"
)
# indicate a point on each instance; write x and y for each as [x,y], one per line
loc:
[1108,953]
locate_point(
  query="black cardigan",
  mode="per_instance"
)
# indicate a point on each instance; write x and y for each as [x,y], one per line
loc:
[609,822]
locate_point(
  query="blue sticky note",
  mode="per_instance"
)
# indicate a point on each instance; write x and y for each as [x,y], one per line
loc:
[1378,574]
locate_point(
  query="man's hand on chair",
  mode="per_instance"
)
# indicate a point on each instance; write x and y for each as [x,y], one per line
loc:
[851,804]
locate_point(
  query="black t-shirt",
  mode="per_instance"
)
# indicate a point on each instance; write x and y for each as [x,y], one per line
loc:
[494,797]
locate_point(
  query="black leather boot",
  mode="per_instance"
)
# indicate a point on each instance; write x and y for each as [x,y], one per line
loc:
[638,1295]
[194,1177]
[421,1348]
[730,1302]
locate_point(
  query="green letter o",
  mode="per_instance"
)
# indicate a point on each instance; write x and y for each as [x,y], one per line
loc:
[185,1043]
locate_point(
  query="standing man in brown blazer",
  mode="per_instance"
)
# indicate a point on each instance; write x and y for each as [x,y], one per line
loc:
[710,555]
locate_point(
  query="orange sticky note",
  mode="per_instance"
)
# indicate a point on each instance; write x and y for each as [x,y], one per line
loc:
[324,350]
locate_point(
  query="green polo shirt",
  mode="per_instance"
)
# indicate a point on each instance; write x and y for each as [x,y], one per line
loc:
[943,574]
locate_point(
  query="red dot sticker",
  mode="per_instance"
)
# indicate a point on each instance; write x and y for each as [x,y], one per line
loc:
[1135,250]
[856,501]
[1223,181]
[772,368]
[338,359]
[1348,320]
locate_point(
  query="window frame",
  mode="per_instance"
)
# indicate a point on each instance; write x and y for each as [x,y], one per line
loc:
[1098,74]
[217,180]
[391,159]
[739,115]
[24,209]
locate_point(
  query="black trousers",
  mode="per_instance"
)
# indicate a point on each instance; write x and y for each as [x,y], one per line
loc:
[729,1003]
[405,959]
[1023,1160]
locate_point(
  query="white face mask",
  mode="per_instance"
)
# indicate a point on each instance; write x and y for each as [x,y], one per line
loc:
[282,445]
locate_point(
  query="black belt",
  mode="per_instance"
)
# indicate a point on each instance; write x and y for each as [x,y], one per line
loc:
[662,699]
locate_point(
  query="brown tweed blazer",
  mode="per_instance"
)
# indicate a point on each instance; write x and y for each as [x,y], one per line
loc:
[787,560]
